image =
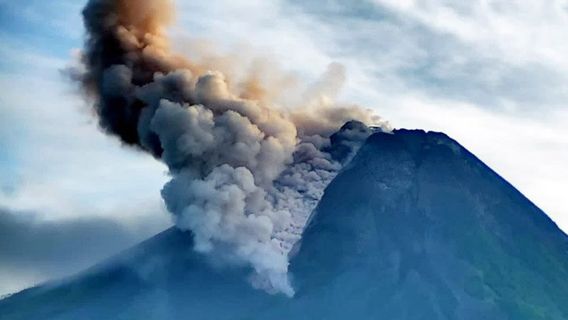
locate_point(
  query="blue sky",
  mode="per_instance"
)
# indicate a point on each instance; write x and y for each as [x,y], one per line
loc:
[491,74]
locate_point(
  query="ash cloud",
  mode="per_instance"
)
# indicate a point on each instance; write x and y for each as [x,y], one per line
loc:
[246,173]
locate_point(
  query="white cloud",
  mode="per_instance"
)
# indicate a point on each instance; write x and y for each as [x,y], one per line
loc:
[60,164]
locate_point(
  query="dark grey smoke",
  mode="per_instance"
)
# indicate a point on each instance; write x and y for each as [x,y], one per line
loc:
[346,141]
[245,174]
[33,250]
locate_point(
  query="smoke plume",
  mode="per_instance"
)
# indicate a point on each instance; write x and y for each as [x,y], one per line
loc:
[246,174]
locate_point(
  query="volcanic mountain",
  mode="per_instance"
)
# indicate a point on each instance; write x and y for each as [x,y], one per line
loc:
[414,227]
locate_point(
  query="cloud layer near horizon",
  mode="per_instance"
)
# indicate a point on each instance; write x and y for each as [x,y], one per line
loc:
[33,250]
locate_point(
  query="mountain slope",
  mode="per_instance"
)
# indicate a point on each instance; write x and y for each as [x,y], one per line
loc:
[414,228]
[419,228]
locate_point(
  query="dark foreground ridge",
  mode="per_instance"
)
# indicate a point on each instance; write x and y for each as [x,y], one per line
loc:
[416,227]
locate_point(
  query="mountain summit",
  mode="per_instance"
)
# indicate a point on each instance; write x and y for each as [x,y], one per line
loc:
[415,227]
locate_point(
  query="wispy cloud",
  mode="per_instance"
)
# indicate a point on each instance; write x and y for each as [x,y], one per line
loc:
[491,74]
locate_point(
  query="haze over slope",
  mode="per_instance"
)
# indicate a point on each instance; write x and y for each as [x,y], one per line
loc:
[415,227]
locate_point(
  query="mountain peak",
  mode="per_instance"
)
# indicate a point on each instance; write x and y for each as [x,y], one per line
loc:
[437,230]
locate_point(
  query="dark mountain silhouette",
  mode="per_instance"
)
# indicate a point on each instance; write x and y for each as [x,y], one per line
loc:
[415,227]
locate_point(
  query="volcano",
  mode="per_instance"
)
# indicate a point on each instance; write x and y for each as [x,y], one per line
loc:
[414,227]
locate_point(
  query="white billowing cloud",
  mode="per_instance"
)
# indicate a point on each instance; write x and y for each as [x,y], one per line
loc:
[230,149]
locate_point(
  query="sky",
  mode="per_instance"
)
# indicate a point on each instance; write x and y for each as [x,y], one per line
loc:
[491,74]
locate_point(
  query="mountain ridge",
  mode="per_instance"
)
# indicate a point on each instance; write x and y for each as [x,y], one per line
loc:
[415,227]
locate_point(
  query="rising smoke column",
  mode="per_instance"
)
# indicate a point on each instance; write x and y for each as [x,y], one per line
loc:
[245,175]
